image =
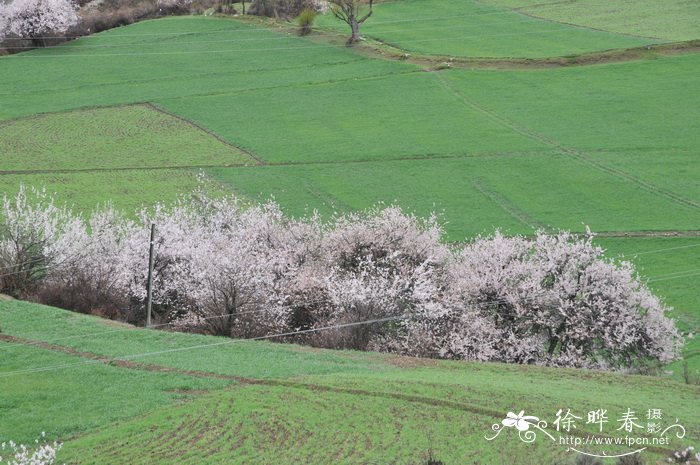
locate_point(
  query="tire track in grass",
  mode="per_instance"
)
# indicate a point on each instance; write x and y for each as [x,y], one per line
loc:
[327,198]
[317,388]
[573,153]
[505,204]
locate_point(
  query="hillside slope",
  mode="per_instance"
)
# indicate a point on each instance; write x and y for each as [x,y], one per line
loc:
[118,394]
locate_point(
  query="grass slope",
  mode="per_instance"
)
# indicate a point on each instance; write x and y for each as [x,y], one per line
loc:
[470,29]
[677,20]
[297,405]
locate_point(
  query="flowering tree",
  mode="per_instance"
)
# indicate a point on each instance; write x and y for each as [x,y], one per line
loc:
[95,265]
[4,21]
[365,267]
[34,19]
[218,266]
[32,229]
[553,300]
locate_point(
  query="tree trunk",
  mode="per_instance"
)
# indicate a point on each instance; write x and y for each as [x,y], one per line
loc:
[355,37]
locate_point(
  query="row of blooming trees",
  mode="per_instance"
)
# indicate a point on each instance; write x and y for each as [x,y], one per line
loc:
[243,271]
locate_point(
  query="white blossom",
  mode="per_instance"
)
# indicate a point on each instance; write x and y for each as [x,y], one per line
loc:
[34,19]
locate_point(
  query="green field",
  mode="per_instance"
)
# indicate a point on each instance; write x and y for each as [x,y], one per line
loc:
[471,29]
[116,138]
[677,20]
[289,404]
[262,112]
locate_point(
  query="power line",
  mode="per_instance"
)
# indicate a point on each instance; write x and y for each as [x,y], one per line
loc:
[286,334]
[670,248]
[670,276]
[175,322]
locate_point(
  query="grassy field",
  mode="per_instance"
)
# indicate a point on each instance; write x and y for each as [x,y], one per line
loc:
[471,29]
[128,190]
[290,404]
[677,20]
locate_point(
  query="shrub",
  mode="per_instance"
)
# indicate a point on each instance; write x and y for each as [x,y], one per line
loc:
[306,21]
[686,456]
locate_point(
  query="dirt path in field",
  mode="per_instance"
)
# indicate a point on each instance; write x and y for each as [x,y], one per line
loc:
[127,364]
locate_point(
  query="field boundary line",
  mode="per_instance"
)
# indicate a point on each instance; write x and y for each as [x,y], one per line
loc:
[427,157]
[276,382]
[162,110]
[575,154]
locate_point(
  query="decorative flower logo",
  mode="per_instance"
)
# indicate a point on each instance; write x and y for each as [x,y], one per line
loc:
[520,421]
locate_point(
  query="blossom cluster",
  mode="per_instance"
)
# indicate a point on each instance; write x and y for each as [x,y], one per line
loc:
[33,19]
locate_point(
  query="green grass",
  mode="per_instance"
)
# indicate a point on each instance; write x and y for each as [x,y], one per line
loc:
[676,20]
[172,58]
[634,108]
[127,190]
[354,120]
[226,357]
[518,193]
[309,405]
[672,267]
[108,138]
[471,29]
[84,398]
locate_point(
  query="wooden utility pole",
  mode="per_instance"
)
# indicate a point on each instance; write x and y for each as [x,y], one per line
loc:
[149,285]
